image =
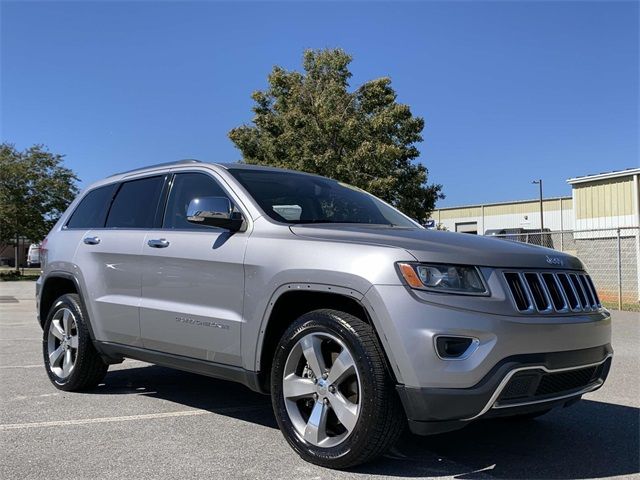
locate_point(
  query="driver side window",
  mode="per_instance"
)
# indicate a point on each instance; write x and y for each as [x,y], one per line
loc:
[186,187]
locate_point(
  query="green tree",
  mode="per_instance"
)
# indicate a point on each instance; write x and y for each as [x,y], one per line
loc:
[312,122]
[35,189]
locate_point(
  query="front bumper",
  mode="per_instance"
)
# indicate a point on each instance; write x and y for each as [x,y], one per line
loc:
[519,384]
[408,328]
[442,394]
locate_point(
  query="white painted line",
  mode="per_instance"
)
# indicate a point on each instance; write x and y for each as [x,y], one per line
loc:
[26,339]
[21,366]
[148,416]
[89,421]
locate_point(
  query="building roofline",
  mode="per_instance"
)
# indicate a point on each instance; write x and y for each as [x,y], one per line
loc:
[476,205]
[604,176]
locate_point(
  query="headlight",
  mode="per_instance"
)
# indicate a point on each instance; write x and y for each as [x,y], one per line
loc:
[444,278]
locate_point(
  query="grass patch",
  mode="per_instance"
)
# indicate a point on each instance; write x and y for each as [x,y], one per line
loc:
[18,276]
[626,306]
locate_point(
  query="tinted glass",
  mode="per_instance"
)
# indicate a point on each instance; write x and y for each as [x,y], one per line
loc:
[186,187]
[92,210]
[136,204]
[298,198]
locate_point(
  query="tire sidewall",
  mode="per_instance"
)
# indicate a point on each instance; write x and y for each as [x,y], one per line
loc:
[322,322]
[66,301]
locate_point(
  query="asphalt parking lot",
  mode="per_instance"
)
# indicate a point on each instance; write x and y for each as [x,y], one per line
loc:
[152,422]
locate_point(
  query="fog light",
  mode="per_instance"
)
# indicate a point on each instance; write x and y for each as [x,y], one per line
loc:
[455,347]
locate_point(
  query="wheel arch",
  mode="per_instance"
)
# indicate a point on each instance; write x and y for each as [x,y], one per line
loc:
[291,301]
[53,287]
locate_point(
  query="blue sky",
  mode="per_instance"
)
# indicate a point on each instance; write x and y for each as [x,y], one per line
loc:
[510,91]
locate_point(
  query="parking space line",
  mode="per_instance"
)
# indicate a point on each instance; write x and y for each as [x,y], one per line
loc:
[128,418]
[89,421]
[20,366]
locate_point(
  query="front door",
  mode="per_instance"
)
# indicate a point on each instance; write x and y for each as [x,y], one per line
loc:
[193,280]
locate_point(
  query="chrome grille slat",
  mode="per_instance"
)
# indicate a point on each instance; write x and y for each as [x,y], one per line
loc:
[551,291]
[582,297]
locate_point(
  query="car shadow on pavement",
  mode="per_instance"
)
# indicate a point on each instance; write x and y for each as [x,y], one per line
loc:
[191,390]
[588,440]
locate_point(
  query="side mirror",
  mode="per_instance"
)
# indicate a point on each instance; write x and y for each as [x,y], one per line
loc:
[214,212]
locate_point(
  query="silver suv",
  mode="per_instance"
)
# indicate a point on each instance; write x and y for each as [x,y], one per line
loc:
[355,319]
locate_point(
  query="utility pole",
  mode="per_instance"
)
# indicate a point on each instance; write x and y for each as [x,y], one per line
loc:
[539,183]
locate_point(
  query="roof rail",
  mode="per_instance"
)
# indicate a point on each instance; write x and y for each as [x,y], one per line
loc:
[158,165]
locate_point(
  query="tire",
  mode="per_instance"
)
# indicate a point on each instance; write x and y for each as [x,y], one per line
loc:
[71,360]
[364,387]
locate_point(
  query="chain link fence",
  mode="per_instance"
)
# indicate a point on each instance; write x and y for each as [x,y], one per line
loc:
[610,256]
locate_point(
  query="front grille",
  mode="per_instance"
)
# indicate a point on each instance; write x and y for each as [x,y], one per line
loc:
[538,384]
[547,292]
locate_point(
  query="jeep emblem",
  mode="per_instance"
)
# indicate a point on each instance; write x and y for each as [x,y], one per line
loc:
[554,260]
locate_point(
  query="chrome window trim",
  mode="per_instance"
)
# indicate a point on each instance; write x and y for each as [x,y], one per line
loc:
[493,400]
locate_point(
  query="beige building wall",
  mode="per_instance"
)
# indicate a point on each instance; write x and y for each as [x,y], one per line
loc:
[558,215]
[607,201]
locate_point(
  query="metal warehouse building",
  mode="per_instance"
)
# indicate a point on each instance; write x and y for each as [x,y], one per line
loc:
[607,200]
[599,222]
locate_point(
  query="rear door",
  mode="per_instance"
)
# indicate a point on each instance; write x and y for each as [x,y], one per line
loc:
[109,259]
[193,280]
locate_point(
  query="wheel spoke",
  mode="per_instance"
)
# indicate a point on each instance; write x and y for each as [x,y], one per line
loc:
[73,341]
[316,430]
[56,329]
[67,363]
[311,348]
[66,321]
[55,356]
[343,366]
[294,387]
[346,411]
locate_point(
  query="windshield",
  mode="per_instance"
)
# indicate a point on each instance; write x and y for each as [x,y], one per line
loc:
[295,198]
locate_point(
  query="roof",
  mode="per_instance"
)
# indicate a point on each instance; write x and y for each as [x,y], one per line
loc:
[190,161]
[514,202]
[604,176]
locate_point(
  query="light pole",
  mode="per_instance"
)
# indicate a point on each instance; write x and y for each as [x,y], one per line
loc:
[539,183]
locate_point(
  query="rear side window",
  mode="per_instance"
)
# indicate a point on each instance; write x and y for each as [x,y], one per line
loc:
[91,212]
[136,204]
[186,187]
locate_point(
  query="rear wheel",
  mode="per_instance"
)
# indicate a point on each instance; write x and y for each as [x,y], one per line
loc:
[70,358]
[333,398]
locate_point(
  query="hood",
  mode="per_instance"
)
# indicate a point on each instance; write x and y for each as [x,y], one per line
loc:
[445,247]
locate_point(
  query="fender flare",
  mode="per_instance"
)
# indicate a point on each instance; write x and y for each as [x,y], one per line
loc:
[354,294]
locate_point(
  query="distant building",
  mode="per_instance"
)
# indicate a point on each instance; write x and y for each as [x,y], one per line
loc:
[520,214]
[606,200]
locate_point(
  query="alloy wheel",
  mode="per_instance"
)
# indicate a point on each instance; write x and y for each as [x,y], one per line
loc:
[321,388]
[62,343]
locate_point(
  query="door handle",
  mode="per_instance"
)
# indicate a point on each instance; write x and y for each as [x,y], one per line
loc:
[158,243]
[91,240]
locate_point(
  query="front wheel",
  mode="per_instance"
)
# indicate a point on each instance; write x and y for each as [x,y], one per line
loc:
[333,399]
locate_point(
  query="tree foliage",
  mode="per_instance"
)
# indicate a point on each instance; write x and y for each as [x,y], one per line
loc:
[312,122]
[35,189]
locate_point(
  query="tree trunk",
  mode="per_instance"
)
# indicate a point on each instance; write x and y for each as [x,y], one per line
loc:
[17,253]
